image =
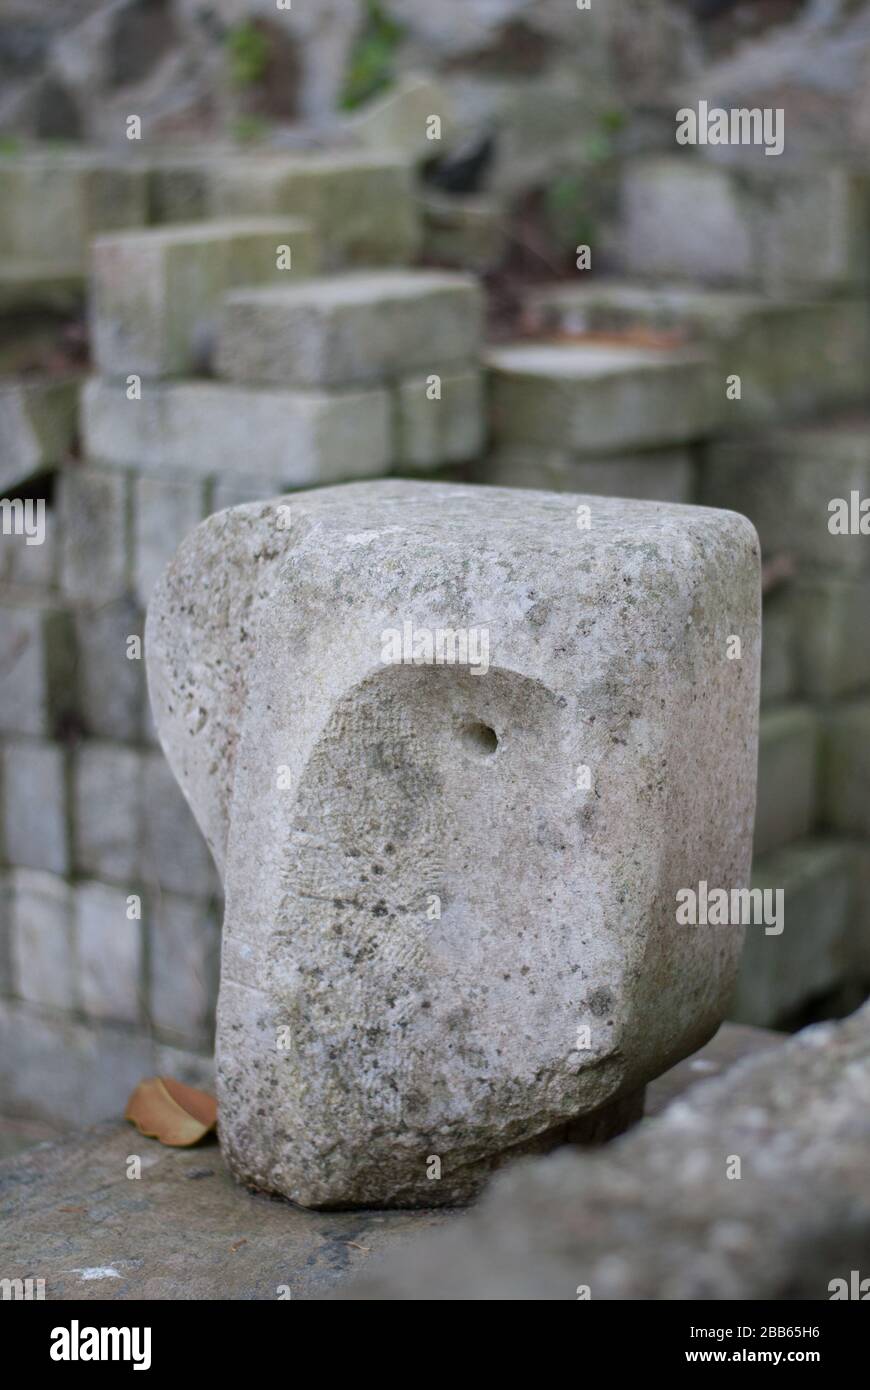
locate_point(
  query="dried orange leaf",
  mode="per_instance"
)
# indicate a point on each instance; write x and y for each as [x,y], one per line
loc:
[171,1112]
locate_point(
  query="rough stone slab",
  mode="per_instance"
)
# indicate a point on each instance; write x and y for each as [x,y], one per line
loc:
[95,550]
[844,775]
[787,756]
[43,958]
[781,973]
[156,292]
[37,663]
[351,330]
[688,218]
[656,1216]
[184,936]
[51,196]
[211,429]
[832,635]
[363,207]
[38,421]
[619,603]
[784,482]
[433,432]
[54,1066]
[107,800]
[662,475]
[35,286]
[173,852]
[594,398]
[792,356]
[110,955]
[164,510]
[399,120]
[35,812]
[205,1236]
[111,686]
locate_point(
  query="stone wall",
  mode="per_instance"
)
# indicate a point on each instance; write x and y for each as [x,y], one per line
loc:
[214,310]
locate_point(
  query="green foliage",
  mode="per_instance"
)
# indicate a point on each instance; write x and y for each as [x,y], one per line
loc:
[10,144]
[370,69]
[249,49]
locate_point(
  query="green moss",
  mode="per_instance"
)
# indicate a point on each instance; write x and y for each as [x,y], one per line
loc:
[248,48]
[247,130]
[370,69]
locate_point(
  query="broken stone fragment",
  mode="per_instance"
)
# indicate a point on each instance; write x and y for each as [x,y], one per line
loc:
[455,751]
[756,1185]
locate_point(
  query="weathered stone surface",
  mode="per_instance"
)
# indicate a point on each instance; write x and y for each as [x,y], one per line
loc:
[173,854]
[164,510]
[791,355]
[53,202]
[37,426]
[434,430]
[691,218]
[662,475]
[35,816]
[844,768]
[42,944]
[338,833]
[780,972]
[156,292]
[787,756]
[400,120]
[37,664]
[832,635]
[350,330]
[197,1233]
[110,683]
[107,799]
[95,550]
[785,480]
[110,953]
[660,1215]
[207,429]
[361,206]
[594,398]
[183,962]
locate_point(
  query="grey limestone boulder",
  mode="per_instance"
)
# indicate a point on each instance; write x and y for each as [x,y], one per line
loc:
[455,750]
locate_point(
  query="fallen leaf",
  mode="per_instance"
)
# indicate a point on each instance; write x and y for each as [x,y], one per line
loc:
[71,1208]
[239,1243]
[168,1110]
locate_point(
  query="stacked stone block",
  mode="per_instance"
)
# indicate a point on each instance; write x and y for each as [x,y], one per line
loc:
[732,366]
[224,371]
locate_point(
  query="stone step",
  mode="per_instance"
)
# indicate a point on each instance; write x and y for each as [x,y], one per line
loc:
[52,202]
[586,398]
[792,356]
[784,480]
[363,207]
[362,329]
[210,429]
[793,230]
[156,292]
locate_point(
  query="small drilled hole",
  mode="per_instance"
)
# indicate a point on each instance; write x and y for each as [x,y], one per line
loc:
[479,738]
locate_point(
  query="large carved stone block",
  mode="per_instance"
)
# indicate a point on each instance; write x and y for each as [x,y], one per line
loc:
[455,751]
